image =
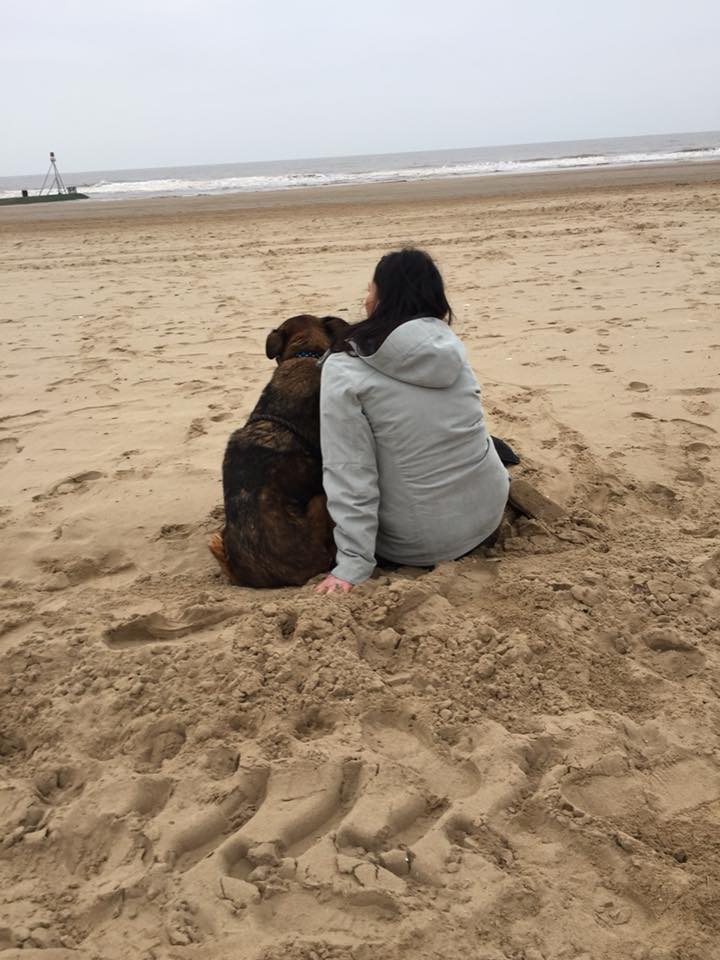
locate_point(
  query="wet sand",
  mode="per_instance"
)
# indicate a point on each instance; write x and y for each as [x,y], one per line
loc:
[449,189]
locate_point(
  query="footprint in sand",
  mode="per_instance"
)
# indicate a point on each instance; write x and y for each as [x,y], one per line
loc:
[55,785]
[218,415]
[192,387]
[98,837]
[156,627]
[662,496]
[671,654]
[698,450]
[9,447]
[671,789]
[196,429]
[638,386]
[699,408]
[174,531]
[192,834]
[691,475]
[313,723]
[160,741]
[77,483]
[353,829]
[63,572]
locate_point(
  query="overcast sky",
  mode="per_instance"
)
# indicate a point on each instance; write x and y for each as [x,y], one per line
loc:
[110,84]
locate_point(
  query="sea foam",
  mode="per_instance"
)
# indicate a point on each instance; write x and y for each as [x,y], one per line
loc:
[251,184]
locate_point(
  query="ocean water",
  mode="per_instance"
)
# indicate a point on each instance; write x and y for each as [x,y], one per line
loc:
[375,168]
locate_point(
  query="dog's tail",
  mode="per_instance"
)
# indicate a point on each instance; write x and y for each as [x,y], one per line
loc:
[217,549]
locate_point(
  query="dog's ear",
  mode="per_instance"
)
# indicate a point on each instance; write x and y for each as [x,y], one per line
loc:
[335,327]
[275,344]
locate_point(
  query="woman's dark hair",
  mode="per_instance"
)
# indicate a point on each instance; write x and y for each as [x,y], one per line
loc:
[409,285]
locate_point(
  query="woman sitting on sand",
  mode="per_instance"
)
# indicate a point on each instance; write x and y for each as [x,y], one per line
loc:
[409,469]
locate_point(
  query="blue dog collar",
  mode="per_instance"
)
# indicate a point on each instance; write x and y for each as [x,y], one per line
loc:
[313,354]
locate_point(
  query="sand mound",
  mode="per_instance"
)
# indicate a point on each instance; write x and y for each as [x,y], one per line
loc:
[515,747]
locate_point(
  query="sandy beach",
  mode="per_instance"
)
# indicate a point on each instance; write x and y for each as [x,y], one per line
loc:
[512,757]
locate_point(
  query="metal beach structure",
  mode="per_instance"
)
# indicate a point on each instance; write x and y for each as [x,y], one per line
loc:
[52,182]
[57,180]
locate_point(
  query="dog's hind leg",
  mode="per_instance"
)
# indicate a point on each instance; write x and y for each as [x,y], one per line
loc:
[319,533]
[280,548]
[217,549]
[318,516]
[297,544]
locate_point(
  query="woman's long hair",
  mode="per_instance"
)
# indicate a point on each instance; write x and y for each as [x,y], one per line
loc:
[409,285]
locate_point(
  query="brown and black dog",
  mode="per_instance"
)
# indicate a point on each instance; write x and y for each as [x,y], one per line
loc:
[277,529]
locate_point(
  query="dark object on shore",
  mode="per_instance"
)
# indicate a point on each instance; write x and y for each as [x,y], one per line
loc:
[62,192]
[528,501]
[506,453]
[277,531]
[47,198]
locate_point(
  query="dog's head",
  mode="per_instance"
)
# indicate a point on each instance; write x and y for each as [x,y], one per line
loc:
[304,335]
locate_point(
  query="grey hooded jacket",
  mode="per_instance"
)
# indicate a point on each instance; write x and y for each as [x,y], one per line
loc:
[409,469]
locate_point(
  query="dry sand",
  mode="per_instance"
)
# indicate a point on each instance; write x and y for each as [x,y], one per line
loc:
[514,757]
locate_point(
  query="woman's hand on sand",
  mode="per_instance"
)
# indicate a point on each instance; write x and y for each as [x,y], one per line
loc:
[330,584]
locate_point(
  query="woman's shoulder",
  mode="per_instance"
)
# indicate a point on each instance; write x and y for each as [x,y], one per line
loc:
[343,375]
[341,363]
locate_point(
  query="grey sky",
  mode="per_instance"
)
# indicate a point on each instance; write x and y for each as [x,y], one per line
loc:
[143,83]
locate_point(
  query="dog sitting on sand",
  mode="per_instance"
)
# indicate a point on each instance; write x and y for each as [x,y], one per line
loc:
[277,529]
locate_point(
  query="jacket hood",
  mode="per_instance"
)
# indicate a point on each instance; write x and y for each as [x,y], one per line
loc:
[424,352]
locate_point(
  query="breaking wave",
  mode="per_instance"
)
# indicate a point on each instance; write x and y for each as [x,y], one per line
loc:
[105,189]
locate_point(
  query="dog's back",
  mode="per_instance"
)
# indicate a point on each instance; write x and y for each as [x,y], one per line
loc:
[277,530]
[270,477]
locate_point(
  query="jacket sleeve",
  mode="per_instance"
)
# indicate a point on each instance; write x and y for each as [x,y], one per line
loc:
[350,474]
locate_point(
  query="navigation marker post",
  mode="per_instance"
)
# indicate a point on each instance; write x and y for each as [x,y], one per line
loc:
[57,180]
